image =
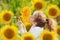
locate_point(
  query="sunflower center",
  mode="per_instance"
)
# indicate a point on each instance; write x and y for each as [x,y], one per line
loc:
[26,11]
[27,38]
[58,31]
[38,5]
[52,11]
[7,17]
[9,33]
[47,37]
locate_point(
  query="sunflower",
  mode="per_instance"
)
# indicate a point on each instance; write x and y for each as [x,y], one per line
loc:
[38,4]
[52,11]
[27,36]
[25,13]
[27,25]
[9,32]
[58,30]
[47,35]
[6,16]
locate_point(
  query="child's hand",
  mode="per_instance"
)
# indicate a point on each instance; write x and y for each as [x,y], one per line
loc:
[19,22]
[21,25]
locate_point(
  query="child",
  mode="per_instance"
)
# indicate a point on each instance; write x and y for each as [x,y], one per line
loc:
[39,21]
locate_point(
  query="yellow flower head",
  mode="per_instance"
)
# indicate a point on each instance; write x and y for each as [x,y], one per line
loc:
[27,25]
[47,35]
[38,4]
[25,13]
[52,11]
[6,16]
[9,32]
[27,36]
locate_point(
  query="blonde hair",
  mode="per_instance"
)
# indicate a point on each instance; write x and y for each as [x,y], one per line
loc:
[52,24]
[38,14]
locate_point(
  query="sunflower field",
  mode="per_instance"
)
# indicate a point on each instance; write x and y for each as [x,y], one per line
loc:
[12,10]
